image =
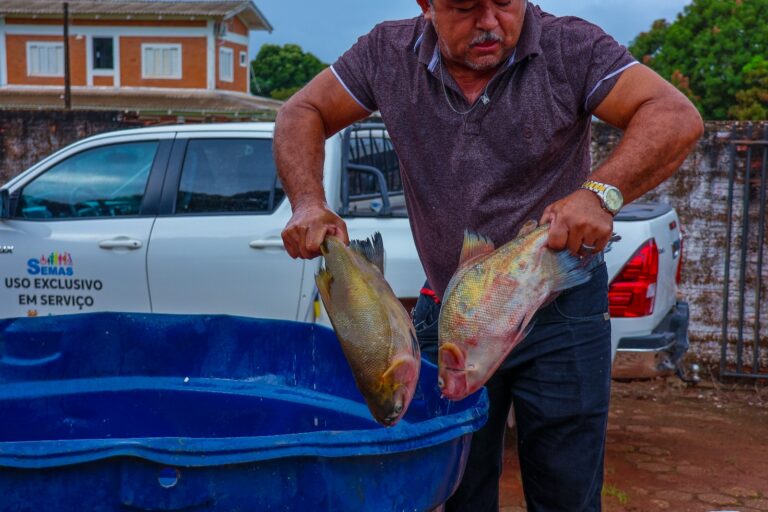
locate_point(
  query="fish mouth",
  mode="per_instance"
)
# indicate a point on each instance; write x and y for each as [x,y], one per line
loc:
[452,371]
[390,420]
[458,370]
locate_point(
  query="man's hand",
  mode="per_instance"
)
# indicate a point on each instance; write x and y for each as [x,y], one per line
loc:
[308,227]
[576,220]
[313,114]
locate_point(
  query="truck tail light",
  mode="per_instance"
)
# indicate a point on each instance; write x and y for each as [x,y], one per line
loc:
[679,272]
[633,292]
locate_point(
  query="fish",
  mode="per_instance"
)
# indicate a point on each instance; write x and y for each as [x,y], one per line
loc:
[374,329]
[490,301]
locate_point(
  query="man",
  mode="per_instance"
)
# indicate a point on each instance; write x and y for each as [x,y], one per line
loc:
[489,105]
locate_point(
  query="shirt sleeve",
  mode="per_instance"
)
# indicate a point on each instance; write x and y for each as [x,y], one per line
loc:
[356,70]
[596,62]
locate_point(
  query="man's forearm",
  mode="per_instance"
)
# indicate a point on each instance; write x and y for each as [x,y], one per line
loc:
[299,149]
[656,141]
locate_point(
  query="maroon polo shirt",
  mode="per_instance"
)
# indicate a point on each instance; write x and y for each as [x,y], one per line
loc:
[501,164]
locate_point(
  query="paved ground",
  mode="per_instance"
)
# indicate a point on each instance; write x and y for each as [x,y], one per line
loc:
[676,448]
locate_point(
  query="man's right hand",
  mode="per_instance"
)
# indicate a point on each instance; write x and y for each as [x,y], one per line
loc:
[308,227]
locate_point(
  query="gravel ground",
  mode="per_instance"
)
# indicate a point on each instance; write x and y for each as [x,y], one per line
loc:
[677,448]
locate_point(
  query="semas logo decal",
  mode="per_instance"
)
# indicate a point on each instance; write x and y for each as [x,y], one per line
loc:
[54,264]
[50,282]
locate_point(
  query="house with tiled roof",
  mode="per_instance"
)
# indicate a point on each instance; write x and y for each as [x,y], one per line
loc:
[162,49]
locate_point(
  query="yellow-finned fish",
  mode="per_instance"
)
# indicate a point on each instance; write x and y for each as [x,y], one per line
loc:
[490,301]
[375,330]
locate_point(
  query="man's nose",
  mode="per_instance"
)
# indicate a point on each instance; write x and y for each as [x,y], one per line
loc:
[487,20]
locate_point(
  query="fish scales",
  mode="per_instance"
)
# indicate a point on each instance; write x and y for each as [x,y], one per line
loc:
[373,327]
[491,300]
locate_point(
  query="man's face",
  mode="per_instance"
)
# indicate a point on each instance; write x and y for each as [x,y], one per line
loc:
[477,34]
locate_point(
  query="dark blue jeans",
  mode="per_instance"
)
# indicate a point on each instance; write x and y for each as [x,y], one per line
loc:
[558,379]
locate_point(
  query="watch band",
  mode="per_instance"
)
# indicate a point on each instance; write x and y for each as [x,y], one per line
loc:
[610,197]
[595,186]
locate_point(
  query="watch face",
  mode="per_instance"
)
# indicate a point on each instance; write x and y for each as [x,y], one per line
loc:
[613,199]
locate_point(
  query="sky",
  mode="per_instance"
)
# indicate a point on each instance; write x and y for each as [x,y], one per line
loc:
[328,28]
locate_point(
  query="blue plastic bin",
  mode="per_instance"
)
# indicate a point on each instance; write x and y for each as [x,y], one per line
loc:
[111,411]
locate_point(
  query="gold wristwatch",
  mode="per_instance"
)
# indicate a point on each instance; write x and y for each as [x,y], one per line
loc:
[610,196]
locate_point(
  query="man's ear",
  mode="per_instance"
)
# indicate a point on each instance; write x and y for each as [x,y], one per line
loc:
[426,8]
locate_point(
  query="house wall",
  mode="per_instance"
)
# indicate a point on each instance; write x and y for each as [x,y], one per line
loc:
[74,22]
[16,59]
[103,81]
[237,27]
[237,40]
[193,62]
[192,35]
[240,82]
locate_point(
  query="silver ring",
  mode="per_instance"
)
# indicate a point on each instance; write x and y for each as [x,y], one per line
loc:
[588,248]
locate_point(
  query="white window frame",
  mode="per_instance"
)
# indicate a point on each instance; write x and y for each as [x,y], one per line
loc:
[225,50]
[243,59]
[102,71]
[160,46]
[45,44]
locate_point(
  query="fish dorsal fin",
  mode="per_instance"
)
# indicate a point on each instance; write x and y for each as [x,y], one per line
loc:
[475,245]
[372,249]
[527,228]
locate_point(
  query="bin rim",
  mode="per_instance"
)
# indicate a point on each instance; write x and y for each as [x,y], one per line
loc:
[469,415]
[202,452]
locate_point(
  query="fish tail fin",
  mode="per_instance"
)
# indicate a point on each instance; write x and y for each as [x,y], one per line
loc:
[372,249]
[568,272]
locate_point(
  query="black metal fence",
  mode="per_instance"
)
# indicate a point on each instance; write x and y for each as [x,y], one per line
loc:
[371,182]
[744,345]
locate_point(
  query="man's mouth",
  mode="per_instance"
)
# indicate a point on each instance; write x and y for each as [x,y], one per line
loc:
[487,45]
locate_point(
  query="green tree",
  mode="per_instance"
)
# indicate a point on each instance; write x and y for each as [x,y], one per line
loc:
[752,102]
[647,44]
[706,51]
[279,71]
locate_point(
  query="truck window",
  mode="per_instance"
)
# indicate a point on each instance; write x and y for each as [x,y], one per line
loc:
[108,181]
[228,176]
[372,147]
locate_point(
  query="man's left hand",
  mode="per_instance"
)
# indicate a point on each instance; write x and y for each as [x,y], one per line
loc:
[578,223]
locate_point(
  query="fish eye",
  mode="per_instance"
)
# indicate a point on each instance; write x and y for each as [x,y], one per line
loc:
[398,407]
[440,382]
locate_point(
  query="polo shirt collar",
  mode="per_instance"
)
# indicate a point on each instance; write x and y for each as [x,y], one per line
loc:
[426,47]
[529,43]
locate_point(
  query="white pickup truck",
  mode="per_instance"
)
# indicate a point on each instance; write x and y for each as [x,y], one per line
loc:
[187,219]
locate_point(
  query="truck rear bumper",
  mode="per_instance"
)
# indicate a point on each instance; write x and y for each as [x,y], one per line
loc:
[655,354]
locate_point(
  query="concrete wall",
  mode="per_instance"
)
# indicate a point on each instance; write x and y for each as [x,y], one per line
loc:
[698,191]
[29,135]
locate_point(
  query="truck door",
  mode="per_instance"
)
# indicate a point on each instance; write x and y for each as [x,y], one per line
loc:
[79,230]
[216,247]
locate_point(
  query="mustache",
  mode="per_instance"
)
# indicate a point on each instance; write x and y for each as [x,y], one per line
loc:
[484,37]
